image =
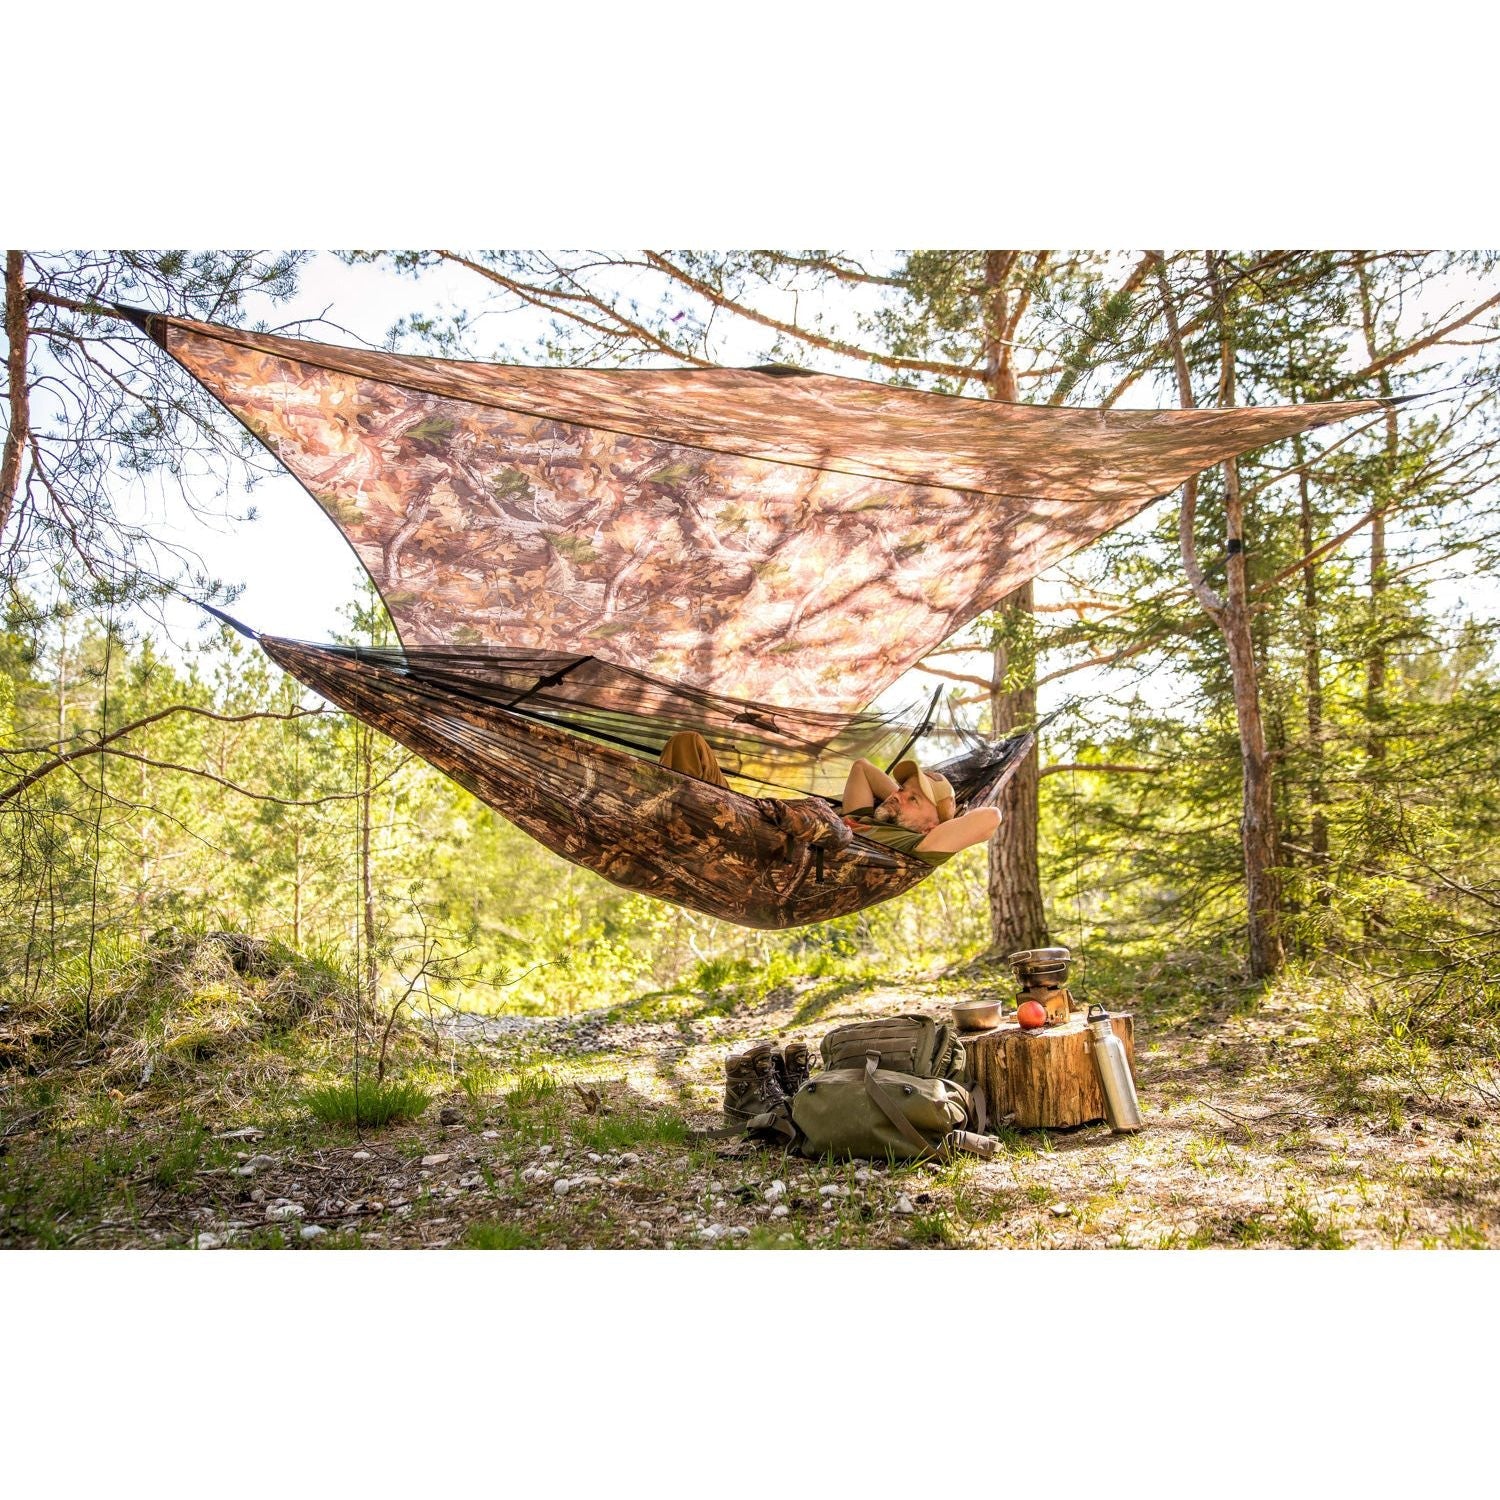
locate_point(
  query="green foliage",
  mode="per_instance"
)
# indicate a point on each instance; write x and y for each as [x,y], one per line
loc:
[372,1104]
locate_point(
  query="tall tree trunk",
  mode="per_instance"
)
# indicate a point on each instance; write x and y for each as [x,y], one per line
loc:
[1375,661]
[1231,615]
[366,877]
[1018,916]
[62,682]
[1312,675]
[18,428]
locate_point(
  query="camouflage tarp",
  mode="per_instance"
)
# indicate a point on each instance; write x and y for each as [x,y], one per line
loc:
[779,539]
[785,537]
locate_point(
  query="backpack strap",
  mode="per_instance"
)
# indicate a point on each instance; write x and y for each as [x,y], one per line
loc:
[967,1142]
[776,1125]
[883,1101]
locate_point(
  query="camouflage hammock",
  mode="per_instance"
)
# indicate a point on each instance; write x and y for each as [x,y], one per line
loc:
[786,543]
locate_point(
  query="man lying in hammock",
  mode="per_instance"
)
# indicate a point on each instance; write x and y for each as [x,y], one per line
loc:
[909,810]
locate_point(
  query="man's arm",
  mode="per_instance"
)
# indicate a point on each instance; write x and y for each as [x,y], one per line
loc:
[867,785]
[958,833]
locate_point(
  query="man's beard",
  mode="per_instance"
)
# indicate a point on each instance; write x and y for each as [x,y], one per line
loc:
[885,813]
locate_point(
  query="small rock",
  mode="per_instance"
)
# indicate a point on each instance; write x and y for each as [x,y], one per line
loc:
[738,1232]
[544,1150]
[1058,1208]
[833,1190]
[561,1186]
[436,1159]
[780,1211]
[281,1209]
[312,1231]
[777,1190]
[712,1232]
[473,1180]
[449,1115]
[863,1175]
[253,1165]
[245,1133]
[352,1208]
[595,1157]
[630,1159]
[903,1205]
[361,1156]
[208,1242]
[257,1195]
[490,1135]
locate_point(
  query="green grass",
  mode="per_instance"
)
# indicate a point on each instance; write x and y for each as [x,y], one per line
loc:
[619,1132]
[181,1155]
[1304,1230]
[496,1236]
[532,1088]
[479,1081]
[935,1230]
[1252,1229]
[376,1104]
[1465,1236]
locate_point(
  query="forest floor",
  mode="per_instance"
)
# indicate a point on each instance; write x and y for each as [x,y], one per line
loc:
[1269,1122]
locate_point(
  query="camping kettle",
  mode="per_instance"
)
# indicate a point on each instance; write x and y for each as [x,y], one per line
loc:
[1121,1107]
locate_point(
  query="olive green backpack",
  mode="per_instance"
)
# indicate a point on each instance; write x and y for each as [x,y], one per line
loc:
[890,1090]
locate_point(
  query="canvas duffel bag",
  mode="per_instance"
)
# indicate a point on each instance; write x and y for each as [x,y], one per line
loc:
[877,1112]
[914,1044]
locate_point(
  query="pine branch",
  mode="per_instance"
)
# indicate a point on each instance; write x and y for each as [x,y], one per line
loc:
[99,746]
[803,335]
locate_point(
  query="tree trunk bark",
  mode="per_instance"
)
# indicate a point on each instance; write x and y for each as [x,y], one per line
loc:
[366,878]
[1375,662]
[1231,615]
[1312,677]
[18,429]
[1044,1079]
[1018,916]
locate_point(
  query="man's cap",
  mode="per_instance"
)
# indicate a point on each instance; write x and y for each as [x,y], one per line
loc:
[932,785]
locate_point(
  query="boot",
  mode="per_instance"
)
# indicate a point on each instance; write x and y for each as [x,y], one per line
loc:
[744,1088]
[796,1066]
[772,1122]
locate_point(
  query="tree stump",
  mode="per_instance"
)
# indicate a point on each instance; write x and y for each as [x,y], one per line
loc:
[1046,1079]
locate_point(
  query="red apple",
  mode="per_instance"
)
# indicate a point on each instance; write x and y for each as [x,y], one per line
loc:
[1030,1016]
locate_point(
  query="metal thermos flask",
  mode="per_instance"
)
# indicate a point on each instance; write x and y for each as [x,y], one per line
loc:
[1121,1107]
